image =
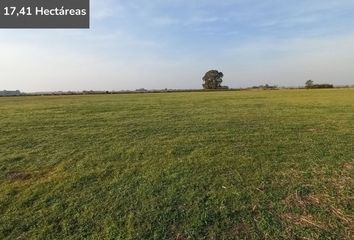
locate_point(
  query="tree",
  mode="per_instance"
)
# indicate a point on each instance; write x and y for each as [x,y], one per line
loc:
[309,83]
[213,79]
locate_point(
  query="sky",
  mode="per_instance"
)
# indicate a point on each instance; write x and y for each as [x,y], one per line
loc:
[158,44]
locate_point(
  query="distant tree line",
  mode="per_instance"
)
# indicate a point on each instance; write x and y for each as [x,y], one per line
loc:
[266,87]
[10,93]
[311,85]
[213,79]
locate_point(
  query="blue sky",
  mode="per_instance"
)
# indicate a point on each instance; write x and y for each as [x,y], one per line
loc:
[170,44]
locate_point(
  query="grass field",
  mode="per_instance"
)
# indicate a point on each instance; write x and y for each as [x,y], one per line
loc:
[223,165]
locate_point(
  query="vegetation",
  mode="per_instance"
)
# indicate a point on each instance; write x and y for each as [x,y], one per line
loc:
[265,87]
[213,79]
[213,165]
[311,85]
[10,93]
[321,86]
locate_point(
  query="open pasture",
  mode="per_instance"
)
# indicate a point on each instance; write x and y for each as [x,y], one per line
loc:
[214,165]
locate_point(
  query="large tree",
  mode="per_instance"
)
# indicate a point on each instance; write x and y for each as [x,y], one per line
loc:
[212,79]
[309,83]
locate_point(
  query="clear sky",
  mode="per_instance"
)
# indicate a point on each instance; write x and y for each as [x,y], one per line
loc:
[157,44]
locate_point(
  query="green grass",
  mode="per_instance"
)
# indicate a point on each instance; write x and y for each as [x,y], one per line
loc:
[223,165]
